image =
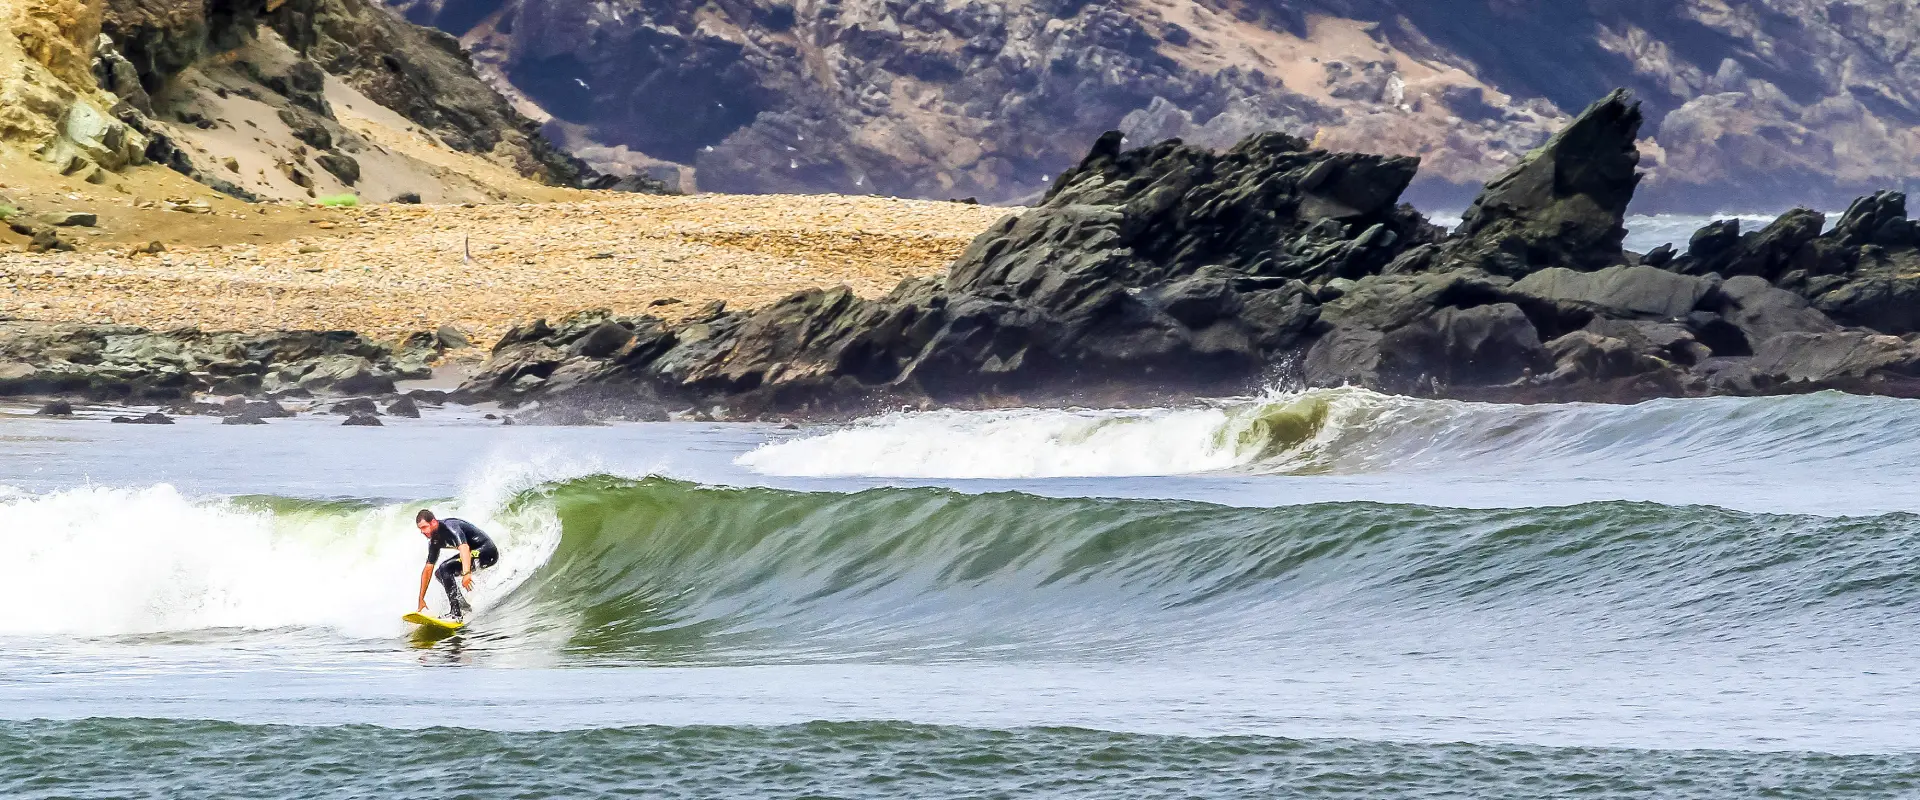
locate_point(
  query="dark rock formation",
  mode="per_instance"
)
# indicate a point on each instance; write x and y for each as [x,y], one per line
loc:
[150,418]
[364,420]
[126,363]
[404,406]
[1564,204]
[1169,271]
[1160,269]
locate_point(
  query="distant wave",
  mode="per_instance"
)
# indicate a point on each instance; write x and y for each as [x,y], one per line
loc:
[1356,431]
[1648,231]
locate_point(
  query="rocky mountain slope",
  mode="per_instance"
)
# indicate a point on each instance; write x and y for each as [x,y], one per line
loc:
[288,99]
[1749,103]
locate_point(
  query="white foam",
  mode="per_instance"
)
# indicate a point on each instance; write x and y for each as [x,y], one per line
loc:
[1054,443]
[102,561]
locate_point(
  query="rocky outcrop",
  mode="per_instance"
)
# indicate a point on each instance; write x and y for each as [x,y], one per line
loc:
[1749,103]
[1170,271]
[242,95]
[116,362]
[1564,204]
[1165,269]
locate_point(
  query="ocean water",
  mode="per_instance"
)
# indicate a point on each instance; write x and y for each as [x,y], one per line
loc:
[1329,593]
[1648,231]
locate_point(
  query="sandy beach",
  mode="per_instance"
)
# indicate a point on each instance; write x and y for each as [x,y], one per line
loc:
[387,270]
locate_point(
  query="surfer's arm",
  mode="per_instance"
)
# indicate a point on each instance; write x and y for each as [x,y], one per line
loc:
[426,577]
[466,568]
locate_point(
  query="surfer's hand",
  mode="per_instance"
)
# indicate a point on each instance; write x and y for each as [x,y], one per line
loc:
[423,606]
[466,581]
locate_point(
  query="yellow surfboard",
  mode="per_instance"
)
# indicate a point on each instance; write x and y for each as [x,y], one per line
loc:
[418,618]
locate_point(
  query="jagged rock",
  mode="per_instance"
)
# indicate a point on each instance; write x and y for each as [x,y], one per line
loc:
[363,419]
[1783,246]
[1564,205]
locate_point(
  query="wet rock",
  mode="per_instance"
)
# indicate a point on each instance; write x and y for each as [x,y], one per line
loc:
[150,418]
[404,406]
[357,405]
[56,408]
[363,419]
[244,418]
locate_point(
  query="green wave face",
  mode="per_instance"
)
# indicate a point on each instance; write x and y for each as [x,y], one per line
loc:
[663,571]
[128,757]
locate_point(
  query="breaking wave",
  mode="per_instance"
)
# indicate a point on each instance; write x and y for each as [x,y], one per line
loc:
[603,568]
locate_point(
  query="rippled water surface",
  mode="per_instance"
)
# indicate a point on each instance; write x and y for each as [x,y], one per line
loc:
[1333,592]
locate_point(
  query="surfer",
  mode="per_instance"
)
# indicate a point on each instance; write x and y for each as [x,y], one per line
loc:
[477,552]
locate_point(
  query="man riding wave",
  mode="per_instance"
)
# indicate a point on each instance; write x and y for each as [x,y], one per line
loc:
[477,552]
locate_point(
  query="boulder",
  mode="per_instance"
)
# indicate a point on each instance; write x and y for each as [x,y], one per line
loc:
[1585,357]
[71,219]
[357,405]
[1637,290]
[56,408]
[363,419]
[1480,346]
[1762,311]
[150,418]
[404,406]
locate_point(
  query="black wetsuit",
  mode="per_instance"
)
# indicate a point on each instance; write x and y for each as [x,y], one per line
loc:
[452,533]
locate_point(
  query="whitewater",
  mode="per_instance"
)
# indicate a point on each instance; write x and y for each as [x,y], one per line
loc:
[1334,592]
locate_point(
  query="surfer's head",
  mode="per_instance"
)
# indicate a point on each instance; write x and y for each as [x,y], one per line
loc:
[426,522]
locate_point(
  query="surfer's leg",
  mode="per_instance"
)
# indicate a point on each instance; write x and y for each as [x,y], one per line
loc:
[449,574]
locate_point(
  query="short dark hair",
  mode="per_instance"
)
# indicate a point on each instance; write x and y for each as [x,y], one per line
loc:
[423,516]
